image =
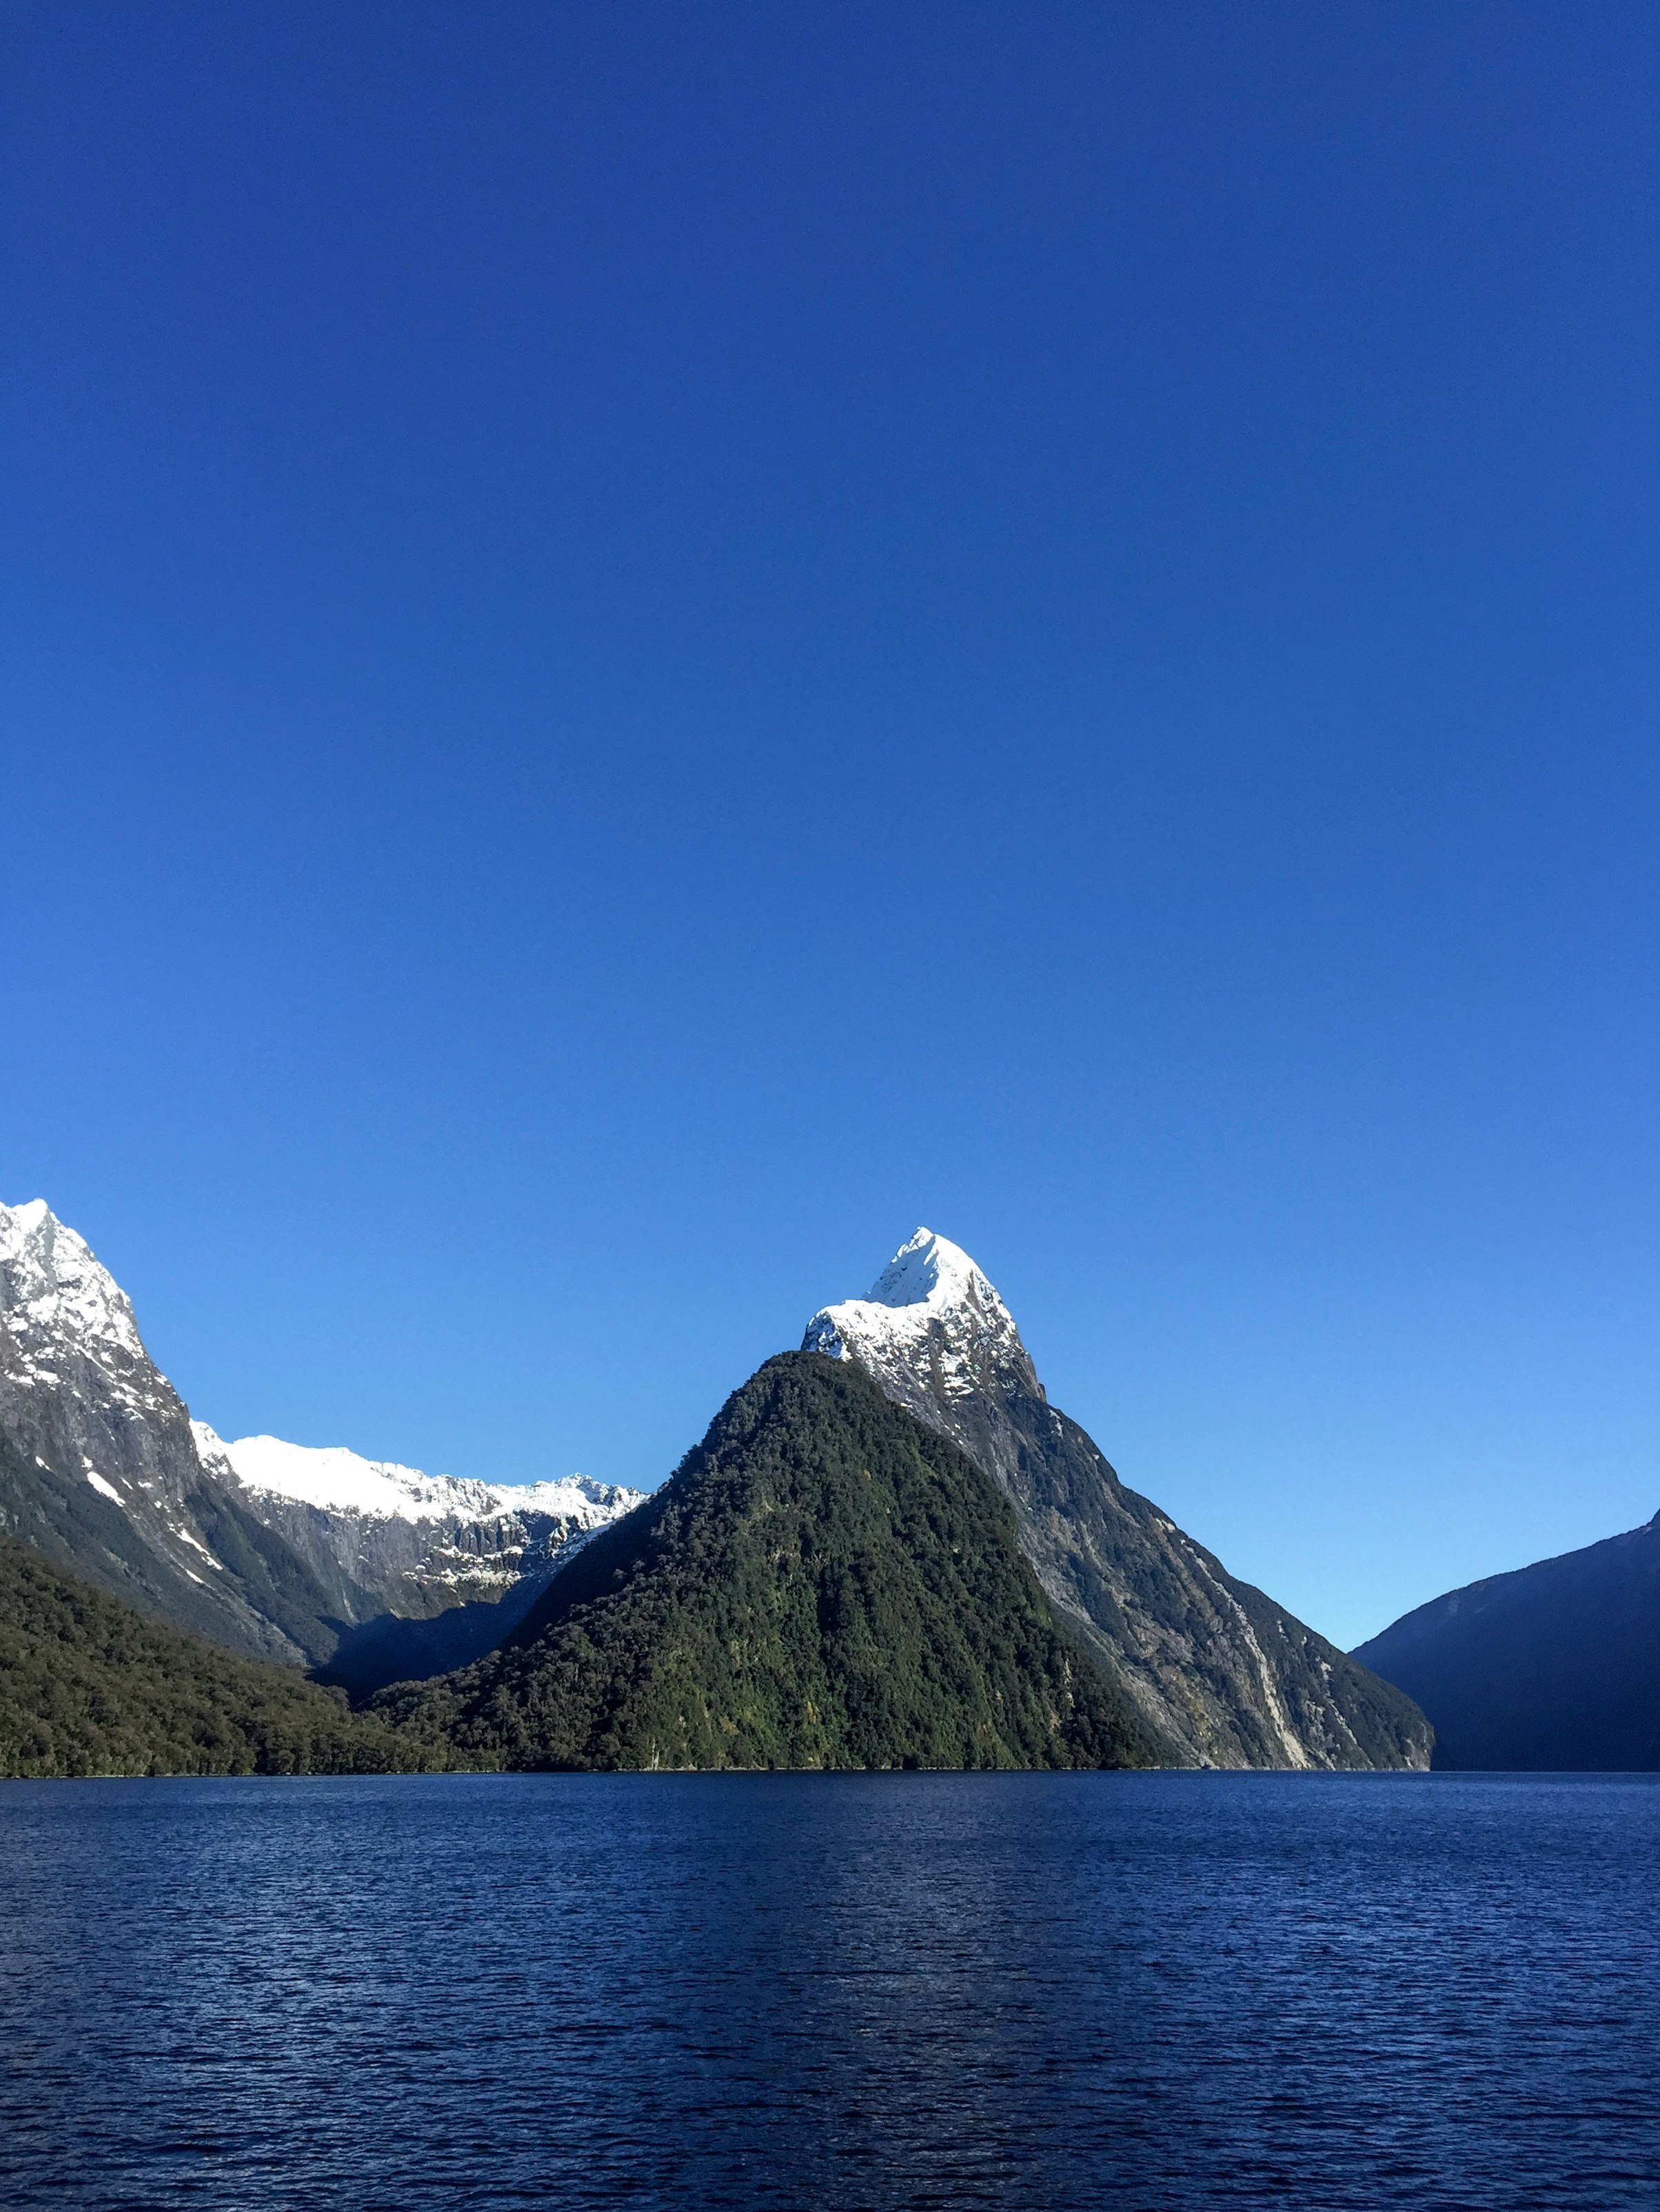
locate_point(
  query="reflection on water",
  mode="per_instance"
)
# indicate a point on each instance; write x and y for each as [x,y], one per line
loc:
[1043,1991]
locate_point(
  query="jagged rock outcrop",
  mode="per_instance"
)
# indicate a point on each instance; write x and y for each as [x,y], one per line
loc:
[1227,1677]
[104,1480]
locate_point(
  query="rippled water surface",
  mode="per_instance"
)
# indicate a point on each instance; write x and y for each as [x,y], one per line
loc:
[1048,1991]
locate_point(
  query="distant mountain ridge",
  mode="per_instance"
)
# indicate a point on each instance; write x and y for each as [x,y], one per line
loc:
[276,1551]
[417,1543]
[336,1480]
[1223,1674]
[1552,1667]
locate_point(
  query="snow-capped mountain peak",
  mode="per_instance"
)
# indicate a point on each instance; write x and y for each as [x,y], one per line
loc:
[342,1540]
[928,1270]
[931,1328]
[56,1299]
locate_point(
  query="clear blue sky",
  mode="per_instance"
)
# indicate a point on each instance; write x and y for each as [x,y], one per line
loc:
[645,645]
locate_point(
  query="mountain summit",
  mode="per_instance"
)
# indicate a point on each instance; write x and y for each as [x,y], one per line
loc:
[929,1314]
[1227,1677]
[103,1477]
[58,1307]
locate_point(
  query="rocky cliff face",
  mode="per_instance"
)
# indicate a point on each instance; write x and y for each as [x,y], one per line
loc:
[1225,1676]
[275,1550]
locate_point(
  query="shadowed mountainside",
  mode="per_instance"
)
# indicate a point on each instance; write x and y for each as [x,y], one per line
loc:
[1553,1667]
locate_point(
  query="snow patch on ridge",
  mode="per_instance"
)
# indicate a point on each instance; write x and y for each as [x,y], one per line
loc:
[197,1545]
[337,1480]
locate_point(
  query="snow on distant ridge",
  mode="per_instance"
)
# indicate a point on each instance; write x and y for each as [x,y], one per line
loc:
[340,1481]
[58,1304]
[78,1385]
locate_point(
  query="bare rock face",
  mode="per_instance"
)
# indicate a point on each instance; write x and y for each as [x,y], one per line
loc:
[1227,1677]
[274,1549]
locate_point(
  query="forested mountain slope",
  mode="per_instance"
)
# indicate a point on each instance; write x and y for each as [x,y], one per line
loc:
[88,1686]
[824,1582]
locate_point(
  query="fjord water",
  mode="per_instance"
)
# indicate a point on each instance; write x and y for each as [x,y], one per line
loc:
[1145,1990]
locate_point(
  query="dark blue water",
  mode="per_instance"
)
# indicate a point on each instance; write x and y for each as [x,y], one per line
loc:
[1045,1992]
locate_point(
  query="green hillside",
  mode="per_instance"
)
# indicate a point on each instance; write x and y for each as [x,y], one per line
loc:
[824,1583]
[89,1686]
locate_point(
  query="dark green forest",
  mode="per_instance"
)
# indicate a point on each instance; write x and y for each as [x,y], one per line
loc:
[89,1686]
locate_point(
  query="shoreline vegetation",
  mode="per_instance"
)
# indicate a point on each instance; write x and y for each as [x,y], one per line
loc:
[92,1690]
[91,1687]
